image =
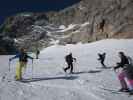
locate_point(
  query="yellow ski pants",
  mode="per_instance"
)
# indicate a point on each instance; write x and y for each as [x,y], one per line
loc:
[20,66]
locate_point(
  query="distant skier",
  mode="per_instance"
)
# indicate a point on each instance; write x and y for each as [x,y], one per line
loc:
[23,59]
[37,53]
[69,60]
[102,59]
[122,75]
[101,25]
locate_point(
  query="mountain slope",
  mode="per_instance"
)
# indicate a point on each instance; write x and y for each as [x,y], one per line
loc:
[51,83]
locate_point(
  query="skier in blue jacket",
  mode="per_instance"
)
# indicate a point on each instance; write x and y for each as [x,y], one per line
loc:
[23,59]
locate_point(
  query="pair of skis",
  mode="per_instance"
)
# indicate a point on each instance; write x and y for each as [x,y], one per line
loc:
[114,91]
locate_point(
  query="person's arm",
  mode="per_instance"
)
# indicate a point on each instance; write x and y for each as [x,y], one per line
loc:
[119,65]
[98,59]
[30,57]
[75,59]
[99,55]
[16,56]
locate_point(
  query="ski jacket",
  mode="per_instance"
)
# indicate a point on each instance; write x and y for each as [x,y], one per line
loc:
[124,61]
[22,57]
[101,57]
[69,58]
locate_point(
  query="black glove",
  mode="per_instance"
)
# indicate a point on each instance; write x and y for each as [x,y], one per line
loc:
[10,60]
[115,68]
[75,59]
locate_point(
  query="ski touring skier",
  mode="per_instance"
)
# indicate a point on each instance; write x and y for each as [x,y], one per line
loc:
[37,53]
[101,25]
[126,74]
[102,59]
[23,59]
[69,60]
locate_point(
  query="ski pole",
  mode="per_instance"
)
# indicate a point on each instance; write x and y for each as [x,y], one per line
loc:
[5,75]
[32,68]
[9,66]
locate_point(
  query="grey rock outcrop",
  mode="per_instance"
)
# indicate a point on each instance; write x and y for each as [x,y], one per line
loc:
[80,22]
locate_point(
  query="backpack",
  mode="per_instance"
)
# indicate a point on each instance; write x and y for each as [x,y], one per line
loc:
[130,61]
[129,68]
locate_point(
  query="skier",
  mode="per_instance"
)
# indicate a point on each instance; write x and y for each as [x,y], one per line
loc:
[69,60]
[129,77]
[122,75]
[102,59]
[23,59]
[37,54]
[101,25]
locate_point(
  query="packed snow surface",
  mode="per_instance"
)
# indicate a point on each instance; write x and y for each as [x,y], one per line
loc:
[47,81]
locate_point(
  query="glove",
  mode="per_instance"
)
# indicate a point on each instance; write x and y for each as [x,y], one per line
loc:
[115,68]
[10,59]
[75,59]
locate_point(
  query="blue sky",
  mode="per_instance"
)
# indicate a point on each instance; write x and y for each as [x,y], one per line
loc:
[11,7]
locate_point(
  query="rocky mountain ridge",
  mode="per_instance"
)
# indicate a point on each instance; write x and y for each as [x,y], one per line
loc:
[78,23]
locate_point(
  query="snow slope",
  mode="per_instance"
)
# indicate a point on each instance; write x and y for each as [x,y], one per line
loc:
[51,83]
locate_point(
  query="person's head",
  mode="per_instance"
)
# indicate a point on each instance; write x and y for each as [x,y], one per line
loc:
[22,50]
[104,53]
[121,54]
[98,54]
[70,53]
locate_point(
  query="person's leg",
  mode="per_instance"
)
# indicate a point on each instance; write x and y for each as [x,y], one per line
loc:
[129,83]
[102,62]
[17,76]
[23,68]
[37,56]
[121,77]
[18,71]
[131,86]
[71,67]
[65,69]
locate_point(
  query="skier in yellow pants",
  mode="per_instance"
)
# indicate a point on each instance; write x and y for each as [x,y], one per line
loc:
[19,69]
[23,59]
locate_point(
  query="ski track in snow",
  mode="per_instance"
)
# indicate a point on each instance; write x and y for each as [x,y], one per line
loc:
[54,84]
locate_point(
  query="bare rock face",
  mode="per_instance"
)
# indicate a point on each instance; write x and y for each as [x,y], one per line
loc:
[86,21]
[7,46]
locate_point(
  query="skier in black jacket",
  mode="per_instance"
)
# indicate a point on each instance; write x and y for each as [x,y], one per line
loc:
[102,59]
[123,62]
[69,60]
[122,75]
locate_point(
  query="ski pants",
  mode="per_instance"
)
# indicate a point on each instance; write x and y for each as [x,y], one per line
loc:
[20,66]
[129,83]
[125,82]
[122,77]
[70,66]
[102,62]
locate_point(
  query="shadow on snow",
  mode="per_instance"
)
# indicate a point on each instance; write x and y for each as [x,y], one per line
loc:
[90,71]
[49,78]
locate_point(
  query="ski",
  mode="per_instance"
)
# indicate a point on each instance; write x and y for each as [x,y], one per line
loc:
[115,91]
